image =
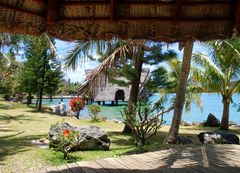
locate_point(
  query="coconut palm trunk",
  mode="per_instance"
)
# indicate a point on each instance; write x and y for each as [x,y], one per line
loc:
[180,95]
[225,116]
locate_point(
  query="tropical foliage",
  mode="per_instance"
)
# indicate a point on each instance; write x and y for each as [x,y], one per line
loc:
[94,111]
[123,58]
[41,72]
[166,81]
[144,123]
[66,140]
[221,71]
[76,105]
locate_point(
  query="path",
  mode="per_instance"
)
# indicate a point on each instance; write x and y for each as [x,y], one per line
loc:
[202,159]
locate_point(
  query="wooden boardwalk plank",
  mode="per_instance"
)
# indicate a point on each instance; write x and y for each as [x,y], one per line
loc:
[64,169]
[91,166]
[86,166]
[204,159]
[155,168]
[108,166]
[74,168]
[130,166]
[118,165]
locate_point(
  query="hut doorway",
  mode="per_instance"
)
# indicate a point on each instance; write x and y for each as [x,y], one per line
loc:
[119,95]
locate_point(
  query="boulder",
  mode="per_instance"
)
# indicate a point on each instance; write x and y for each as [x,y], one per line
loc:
[90,137]
[212,121]
[218,137]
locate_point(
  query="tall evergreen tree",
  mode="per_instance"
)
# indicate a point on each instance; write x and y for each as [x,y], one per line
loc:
[41,72]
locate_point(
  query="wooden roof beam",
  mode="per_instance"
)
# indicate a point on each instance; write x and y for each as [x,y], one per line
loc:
[53,11]
[237,15]
[113,10]
[145,3]
[143,19]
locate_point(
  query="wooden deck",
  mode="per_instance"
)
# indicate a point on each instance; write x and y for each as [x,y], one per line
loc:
[202,159]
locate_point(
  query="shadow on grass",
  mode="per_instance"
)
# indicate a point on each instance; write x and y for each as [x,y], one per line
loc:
[15,144]
[7,118]
[127,142]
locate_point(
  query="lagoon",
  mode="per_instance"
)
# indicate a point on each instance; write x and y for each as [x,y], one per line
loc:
[212,103]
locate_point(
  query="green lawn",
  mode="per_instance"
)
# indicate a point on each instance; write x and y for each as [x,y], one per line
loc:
[20,124]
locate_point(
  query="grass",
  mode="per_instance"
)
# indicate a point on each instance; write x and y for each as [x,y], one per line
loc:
[20,124]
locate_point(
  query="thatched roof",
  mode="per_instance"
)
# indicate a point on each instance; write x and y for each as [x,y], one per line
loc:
[162,20]
[108,91]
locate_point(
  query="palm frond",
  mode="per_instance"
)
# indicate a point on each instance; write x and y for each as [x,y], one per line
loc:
[6,58]
[97,79]
[51,45]
[204,61]
[71,61]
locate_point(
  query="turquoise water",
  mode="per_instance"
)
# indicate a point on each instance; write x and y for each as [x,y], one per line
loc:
[211,104]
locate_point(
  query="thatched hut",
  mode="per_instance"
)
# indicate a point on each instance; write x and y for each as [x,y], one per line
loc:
[113,92]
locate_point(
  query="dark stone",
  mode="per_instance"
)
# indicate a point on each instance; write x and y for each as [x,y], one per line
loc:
[212,121]
[90,138]
[218,137]
[184,140]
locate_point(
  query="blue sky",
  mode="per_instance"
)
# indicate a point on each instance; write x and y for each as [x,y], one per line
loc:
[79,74]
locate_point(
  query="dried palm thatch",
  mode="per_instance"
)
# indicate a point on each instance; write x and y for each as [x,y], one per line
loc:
[161,20]
[110,90]
[96,80]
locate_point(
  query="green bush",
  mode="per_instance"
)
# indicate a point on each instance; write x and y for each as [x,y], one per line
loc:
[94,111]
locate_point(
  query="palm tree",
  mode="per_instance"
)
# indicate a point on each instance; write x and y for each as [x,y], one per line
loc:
[222,72]
[180,95]
[114,50]
[168,88]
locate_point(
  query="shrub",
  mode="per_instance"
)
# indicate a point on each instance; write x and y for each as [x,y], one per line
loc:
[94,110]
[77,104]
[143,121]
[66,140]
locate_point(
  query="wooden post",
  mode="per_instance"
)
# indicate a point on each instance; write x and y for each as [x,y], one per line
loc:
[53,11]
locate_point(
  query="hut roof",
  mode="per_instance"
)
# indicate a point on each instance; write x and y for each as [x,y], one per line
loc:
[162,20]
[108,91]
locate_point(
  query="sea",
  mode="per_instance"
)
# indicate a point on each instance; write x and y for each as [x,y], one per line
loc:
[212,103]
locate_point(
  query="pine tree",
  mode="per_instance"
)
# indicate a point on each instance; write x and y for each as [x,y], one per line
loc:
[41,72]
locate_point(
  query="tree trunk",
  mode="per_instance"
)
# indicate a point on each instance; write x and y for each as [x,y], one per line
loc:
[40,99]
[133,96]
[37,101]
[50,97]
[225,116]
[29,98]
[180,95]
[42,83]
